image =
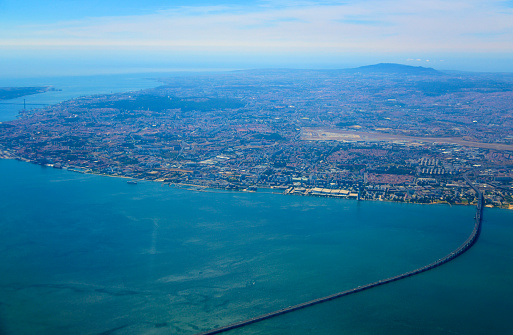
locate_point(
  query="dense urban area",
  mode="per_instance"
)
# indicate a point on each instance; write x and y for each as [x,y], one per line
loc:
[382,132]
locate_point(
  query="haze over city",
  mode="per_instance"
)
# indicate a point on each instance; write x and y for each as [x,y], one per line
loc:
[93,37]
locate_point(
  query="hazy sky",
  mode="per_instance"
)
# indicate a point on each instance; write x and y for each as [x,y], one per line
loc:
[71,36]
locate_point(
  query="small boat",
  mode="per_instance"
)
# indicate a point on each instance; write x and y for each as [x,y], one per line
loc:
[132,182]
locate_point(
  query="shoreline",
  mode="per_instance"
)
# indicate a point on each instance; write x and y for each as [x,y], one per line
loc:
[210,189]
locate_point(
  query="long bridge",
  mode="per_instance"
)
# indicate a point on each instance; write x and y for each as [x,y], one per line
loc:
[469,242]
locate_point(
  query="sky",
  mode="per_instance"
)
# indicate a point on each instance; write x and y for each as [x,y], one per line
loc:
[115,36]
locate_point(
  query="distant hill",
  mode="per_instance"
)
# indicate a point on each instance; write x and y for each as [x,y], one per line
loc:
[381,68]
[392,68]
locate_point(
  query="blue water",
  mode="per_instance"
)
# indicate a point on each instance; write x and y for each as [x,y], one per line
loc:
[70,88]
[83,254]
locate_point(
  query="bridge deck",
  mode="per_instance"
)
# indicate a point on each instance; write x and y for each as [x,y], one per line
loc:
[459,251]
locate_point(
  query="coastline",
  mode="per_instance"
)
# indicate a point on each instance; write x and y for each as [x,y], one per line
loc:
[130,243]
[209,189]
[150,219]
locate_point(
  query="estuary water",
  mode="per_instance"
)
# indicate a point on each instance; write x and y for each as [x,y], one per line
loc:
[67,88]
[85,254]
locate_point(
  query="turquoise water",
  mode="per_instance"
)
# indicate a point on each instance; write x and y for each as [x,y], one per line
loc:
[83,254]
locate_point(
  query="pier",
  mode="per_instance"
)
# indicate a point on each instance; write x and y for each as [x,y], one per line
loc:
[469,242]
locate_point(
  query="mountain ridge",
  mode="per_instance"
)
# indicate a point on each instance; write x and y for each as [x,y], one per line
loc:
[380,68]
[394,68]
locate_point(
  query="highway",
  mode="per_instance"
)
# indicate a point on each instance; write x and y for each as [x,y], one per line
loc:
[471,240]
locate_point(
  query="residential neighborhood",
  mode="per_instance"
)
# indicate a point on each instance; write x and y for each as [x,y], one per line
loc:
[367,136]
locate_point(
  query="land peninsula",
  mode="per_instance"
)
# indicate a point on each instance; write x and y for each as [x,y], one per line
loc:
[7,93]
[381,132]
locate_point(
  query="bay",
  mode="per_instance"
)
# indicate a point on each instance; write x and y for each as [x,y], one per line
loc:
[86,254]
